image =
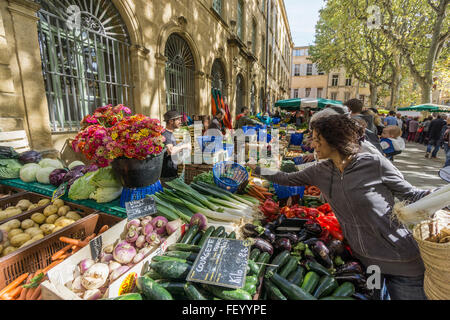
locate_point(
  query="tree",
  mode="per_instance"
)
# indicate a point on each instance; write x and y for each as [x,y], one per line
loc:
[419,31]
[344,39]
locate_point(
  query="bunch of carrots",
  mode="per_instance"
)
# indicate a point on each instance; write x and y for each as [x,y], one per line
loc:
[28,285]
[312,191]
[259,192]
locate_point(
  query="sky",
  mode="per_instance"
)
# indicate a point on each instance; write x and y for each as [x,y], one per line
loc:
[303,16]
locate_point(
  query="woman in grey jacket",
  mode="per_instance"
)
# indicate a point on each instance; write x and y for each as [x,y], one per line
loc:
[361,187]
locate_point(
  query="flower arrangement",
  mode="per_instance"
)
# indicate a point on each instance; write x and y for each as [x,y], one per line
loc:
[111,132]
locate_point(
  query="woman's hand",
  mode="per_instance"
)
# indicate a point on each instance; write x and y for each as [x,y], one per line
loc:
[308,158]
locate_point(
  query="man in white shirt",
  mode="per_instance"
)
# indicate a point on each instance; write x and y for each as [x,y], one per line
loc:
[399,121]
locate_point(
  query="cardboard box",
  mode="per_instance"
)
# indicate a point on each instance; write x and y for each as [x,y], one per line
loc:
[63,273]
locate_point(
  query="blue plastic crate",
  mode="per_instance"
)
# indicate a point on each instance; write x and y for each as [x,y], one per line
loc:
[276,121]
[229,175]
[139,193]
[284,192]
[297,139]
[206,140]
[247,128]
[261,132]
[298,161]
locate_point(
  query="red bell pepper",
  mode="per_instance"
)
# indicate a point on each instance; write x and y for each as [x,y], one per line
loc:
[325,208]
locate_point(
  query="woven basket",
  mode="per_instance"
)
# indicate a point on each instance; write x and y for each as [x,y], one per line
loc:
[436,256]
[193,170]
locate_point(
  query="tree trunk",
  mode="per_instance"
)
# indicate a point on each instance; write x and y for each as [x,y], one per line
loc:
[396,79]
[373,96]
[426,92]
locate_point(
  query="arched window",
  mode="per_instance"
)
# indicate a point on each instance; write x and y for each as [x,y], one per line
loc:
[180,80]
[219,80]
[85,59]
[253,98]
[240,19]
[240,93]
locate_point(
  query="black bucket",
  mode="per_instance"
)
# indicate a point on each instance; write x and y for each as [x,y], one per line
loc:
[134,173]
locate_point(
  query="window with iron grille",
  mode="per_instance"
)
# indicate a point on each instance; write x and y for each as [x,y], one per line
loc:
[240,19]
[307,92]
[84,66]
[217,6]
[219,80]
[180,80]
[319,92]
[295,93]
[334,96]
[297,53]
[335,80]
[309,69]
[348,82]
[296,70]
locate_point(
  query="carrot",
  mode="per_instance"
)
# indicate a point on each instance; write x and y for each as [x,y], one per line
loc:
[76,249]
[16,292]
[259,194]
[40,297]
[103,229]
[74,242]
[85,242]
[65,256]
[5,297]
[14,283]
[23,294]
[36,293]
[61,252]
[260,189]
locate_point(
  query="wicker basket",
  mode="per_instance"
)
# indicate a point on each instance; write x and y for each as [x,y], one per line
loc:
[13,200]
[10,190]
[38,255]
[192,170]
[436,256]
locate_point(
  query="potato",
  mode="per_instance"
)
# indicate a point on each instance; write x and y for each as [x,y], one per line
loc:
[6,244]
[51,219]
[20,239]
[63,210]
[14,232]
[27,224]
[13,212]
[58,202]
[47,228]
[32,207]
[23,204]
[9,250]
[5,227]
[34,231]
[14,224]
[57,229]
[38,237]
[64,222]
[3,215]
[43,202]
[73,215]
[27,243]
[38,217]
[51,209]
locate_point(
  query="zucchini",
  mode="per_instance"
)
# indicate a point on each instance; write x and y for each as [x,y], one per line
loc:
[310,282]
[263,259]
[290,266]
[185,255]
[250,288]
[224,235]
[277,263]
[175,288]
[292,291]
[317,268]
[296,276]
[229,294]
[326,286]
[254,254]
[232,235]
[184,247]
[344,290]
[129,296]
[189,235]
[251,279]
[152,290]
[192,292]
[273,292]
[254,268]
[171,269]
[153,275]
[196,238]
[166,258]
[206,235]
[218,232]
[337,298]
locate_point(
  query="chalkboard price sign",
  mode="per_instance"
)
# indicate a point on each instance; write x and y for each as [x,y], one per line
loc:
[140,208]
[96,247]
[60,191]
[221,262]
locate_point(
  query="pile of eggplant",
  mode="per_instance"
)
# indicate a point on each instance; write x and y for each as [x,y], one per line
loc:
[297,251]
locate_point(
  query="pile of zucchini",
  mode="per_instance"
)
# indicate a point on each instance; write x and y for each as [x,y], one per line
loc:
[166,277]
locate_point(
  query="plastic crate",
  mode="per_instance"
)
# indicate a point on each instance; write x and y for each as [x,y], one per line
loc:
[297,139]
[38,255]
[139,193]
[10,190]
[284,192]
[229,176]
[13,200]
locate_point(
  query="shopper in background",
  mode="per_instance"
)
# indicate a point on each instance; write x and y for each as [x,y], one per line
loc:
[446,143]
[399,121]
[426,128]
[392,142]
[434,135]
[243,119]
[205,124]
[216,123]
[391,120]
[413,127]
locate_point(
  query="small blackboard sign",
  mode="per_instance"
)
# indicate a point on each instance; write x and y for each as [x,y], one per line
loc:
[96,247]
[140,208]
[221,262]
[60,191]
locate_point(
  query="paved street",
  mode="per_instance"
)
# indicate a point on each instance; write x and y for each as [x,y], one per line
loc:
[418,170]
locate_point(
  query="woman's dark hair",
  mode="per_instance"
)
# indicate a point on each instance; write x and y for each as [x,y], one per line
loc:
[341,132]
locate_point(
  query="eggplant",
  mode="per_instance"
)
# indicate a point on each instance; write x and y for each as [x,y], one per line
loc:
[249,230]
[268,235]
[356,278]
[360,296]
[291,236]
[302,235]
[313,229]
[263,245]
[350,267]
[336,248]
[283,244]
[321,252]
[311,241]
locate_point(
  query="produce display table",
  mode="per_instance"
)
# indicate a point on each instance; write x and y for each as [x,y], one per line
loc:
[112,208]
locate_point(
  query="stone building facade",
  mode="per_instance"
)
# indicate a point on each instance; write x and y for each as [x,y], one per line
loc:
[59,63]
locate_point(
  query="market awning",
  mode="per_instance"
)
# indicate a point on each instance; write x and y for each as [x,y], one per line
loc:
[427,107]
[296,104]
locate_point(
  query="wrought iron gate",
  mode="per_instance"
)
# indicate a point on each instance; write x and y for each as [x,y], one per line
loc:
[219,80]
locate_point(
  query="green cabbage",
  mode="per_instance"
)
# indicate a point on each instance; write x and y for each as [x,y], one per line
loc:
[105,195]
[29,171]
[9,169]
[81,188]
[51,163]
[43,175]
[75,164]
[105,178]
